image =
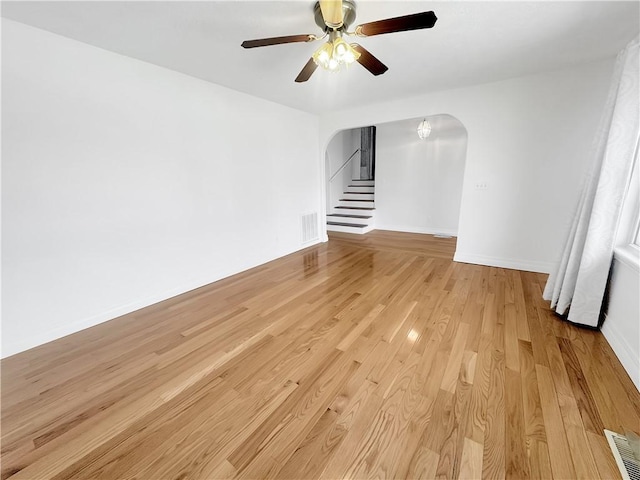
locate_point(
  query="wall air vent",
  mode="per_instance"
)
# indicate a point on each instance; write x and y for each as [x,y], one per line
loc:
[309,227]
[623,451]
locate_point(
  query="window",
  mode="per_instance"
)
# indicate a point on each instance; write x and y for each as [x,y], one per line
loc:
[627,248]
[629,226]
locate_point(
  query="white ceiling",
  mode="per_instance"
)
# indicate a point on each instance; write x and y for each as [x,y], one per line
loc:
[472,42]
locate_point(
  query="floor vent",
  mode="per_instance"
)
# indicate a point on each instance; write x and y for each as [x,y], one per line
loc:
[309,227]
[628,464]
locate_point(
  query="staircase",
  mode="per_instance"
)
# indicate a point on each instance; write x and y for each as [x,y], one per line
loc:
[355,210]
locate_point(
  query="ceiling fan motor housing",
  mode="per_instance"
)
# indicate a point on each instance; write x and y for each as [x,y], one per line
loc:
[348,13]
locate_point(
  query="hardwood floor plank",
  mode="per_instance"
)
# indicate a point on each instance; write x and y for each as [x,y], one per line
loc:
[472,315]
[305,461]
[556,361]
[536,435]
[379,437]
[516,461]
[471,463]
[521,308]
[533,420]
[468,367]
[104,428]
[559,451]
[301,404]
[512,356]
[442,421]
[423,465]
[214,438]
[156,444]
[580,389]
[450,454]
[539,460]
[222,470]
[367,356]
[583,462]
[605,462]
[451,373]
[493,461]
[411,462]
[538,337]
[618,383]
[603,396]
[360,327]
[351,410]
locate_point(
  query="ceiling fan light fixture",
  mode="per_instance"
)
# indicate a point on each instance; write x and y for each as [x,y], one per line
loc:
[335,53]
[350,56]
[339,48]
[344,52]
[424,129]
[334,17]
[323,55]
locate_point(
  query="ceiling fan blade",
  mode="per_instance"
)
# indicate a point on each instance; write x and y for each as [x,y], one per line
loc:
[368,61]
[332,13]
[307,71]
[416,21]
[264,42]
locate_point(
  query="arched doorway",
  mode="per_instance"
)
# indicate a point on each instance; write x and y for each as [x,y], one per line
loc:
[418,184]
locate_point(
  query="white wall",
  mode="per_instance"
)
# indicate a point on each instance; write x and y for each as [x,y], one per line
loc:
[419,182]
[527,141]
[621,327]
[124,183]
[340,148]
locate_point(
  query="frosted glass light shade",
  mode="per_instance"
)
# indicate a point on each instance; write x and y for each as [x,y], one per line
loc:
[424,129]
[333,54]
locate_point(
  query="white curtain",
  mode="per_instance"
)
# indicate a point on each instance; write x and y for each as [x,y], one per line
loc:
[578,284]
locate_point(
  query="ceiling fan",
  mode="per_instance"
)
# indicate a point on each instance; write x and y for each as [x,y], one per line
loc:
[334,17]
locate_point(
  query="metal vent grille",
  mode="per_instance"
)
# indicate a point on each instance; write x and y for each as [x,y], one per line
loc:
[309,227]
[628,465]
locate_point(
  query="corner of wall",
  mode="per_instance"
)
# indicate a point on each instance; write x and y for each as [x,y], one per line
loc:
[510,263]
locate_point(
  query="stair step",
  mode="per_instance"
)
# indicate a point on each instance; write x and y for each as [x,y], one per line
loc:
[369,196]
[363,183]
[349,229]
[354,212]
[357,208]
[344,215]
[340,224]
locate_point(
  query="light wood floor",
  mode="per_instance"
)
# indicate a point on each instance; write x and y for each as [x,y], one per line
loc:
[373,356]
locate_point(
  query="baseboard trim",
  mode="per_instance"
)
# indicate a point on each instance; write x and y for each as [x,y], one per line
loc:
[425,230]
[525,265]
[628,358]
[41,338]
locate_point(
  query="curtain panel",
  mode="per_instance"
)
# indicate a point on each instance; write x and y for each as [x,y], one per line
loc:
[578,284]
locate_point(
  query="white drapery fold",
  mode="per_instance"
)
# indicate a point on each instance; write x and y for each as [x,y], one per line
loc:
[579,281]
